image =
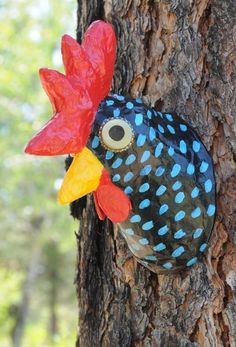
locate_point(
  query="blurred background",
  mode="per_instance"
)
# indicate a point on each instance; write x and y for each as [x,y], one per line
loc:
[38,246]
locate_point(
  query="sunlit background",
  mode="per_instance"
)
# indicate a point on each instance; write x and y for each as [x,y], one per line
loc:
[37,248]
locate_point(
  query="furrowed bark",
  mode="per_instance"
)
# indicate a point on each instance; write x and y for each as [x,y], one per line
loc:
[179,56]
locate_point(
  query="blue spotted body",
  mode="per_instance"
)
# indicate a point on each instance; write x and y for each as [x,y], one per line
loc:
[168,175]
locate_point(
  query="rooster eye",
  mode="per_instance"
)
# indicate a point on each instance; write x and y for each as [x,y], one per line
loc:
[116,134]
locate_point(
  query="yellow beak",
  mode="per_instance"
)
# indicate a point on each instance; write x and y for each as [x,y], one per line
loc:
[82,178]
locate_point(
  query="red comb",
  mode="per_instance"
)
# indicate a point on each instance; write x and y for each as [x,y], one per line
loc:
[75,96]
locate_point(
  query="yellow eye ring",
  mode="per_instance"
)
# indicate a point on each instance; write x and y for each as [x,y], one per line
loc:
[116,134]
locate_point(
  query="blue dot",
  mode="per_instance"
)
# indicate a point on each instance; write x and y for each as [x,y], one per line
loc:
[116,178]
[145,170]
[117,163]
[116,112]
[179,216]
[109,155]
[177,185]
[139,101]
[167,265]
[158,149]
[110,102]
[163,209]
[161,190]
[178,251]
[196,213]
[129,231]
[179,234]
[171,151]
[145,156]
[131,158]
[197,233]
[196,146]
[144,187]
[159,171]
[120,97]
[128,190]
[141,140]
[208,186]
[144,204]
[144,241]
[190,169]
[211,210]
[160,247]
[203,247]
[149,114]
[163,230]
[183,146]
[148,225]
[169,117]
[183,127]
[192,261]
[128,176]
[179,197]
[171,129]
[150,257]
[195,192]
[161,129]
[175,170]
[135,218]
[95,142]
[204,166]
[129,105]
[152,134]
[138,119]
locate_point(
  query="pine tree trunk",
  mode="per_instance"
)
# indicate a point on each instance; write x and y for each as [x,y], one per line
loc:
[179,56]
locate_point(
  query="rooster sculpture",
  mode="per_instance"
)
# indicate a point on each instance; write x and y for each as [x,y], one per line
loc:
[148,170]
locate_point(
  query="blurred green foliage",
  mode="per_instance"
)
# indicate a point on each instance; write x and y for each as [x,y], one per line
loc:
[37,245]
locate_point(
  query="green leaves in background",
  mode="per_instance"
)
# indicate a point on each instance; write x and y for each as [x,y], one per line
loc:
[37,235]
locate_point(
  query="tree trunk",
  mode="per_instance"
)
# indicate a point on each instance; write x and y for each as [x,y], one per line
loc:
[179,56]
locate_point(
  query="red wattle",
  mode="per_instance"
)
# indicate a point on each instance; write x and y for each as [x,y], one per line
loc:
[101,214]
[111,200]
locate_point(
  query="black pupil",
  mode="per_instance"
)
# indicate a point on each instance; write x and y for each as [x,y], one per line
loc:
[116,133]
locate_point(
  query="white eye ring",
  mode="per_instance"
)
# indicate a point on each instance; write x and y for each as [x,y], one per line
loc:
[116,134]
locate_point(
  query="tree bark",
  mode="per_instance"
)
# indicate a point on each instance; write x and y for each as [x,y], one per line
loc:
[179,56]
